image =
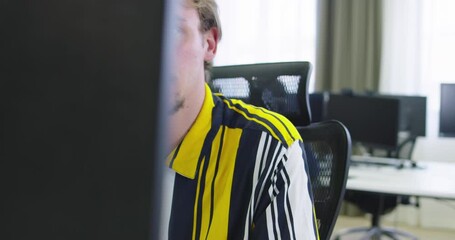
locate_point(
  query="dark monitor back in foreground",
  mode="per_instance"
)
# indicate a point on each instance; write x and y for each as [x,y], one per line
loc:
[79,84]
[372,121]
[447,111]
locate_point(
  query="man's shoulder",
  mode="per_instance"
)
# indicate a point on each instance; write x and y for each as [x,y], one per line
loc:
[238,114]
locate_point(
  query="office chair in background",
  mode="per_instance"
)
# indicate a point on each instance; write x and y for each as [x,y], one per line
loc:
[280,87]
[283,88]
[328,149]
[377,205]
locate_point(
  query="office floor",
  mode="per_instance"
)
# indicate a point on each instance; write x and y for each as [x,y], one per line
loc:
[421,233]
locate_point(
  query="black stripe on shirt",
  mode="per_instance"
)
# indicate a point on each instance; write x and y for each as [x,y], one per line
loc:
[212,190]
[182,208]
[259,118]
[242,182]
[277,118]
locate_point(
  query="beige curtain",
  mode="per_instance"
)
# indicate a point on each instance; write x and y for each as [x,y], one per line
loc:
[348,45]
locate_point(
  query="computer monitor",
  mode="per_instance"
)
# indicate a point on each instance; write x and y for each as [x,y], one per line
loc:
[413,114]
[447,111]
[80,85]
[318,102]
[371,120]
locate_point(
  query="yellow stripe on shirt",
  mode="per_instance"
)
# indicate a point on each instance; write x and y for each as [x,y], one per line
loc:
[223,184]
[282,124]
[218,184]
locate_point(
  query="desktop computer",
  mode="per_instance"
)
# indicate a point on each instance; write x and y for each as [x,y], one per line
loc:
[371,120]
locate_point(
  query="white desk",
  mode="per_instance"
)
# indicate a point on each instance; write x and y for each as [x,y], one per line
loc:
[434,149]
[436,180]
[432,179]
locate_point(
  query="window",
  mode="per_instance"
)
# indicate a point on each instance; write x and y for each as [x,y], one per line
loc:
[418,51]
[256,31]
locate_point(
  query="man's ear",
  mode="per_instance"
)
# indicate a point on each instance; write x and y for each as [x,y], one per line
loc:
[211,41]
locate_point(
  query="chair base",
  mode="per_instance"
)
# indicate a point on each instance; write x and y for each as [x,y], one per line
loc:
[375,233]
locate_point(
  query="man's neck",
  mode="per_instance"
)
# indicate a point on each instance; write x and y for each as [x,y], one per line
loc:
[181,121]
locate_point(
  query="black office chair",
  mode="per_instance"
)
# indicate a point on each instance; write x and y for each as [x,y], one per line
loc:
[328,149]
[283,88]
[280,87]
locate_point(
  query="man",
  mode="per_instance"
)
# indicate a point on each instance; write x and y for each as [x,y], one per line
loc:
[235,171]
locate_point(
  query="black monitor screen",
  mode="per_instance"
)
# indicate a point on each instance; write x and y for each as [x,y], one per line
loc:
[413,114]
[372,121]
[447,112]
[317,106]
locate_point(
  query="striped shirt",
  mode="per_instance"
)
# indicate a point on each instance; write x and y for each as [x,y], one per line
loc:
[239,173]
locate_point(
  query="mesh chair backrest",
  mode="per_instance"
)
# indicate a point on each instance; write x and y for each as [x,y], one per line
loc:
[280,87]
[328,149]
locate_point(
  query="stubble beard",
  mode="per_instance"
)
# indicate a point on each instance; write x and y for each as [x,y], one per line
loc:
[179,103]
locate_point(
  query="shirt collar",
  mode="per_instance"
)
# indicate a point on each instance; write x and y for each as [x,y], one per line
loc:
[184,159]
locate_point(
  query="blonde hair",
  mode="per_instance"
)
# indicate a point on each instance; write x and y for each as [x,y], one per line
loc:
[209,18]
